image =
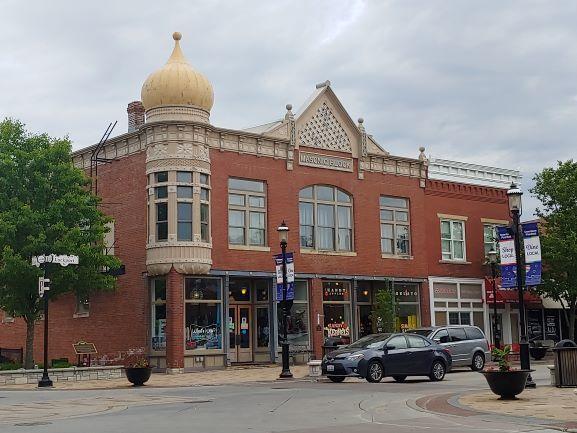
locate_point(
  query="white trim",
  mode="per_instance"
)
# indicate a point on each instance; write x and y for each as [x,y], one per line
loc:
[433,279]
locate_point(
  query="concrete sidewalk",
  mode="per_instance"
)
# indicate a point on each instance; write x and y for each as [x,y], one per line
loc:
[231,375]
[544,402]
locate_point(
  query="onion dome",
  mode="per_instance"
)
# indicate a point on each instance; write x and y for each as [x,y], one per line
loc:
[177,84]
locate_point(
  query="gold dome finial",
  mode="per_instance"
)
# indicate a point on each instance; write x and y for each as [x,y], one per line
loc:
[177,84]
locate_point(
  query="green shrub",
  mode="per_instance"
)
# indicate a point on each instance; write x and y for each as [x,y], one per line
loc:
[10,366]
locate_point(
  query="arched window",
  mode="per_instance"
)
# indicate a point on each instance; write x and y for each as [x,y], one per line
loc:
[326,218]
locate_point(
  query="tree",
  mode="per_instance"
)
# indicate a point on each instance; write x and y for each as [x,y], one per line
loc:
[383,312]
[46,207]
[556,189]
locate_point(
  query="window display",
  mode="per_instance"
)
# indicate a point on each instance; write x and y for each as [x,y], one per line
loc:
[158,338]
[203,313]
[337,310]
[203,326]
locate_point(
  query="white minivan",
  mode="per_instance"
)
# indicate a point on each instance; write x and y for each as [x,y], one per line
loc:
[467,344]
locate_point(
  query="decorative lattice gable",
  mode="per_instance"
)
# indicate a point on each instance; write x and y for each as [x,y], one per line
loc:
[324,131]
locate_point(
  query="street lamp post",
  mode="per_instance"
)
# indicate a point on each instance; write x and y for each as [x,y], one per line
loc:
[45,381]
[492,260]
[515,207]
[284,304]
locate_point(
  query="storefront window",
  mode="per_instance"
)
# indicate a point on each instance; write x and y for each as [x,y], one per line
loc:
[298,321]
[262,327]
[336,309]
[408,308]
[239,290]
[458,303]
[203,313]
[158,340]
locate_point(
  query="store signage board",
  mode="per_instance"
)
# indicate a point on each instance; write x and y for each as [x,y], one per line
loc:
[532,254]
[508,258]
[319,160]
[290,277]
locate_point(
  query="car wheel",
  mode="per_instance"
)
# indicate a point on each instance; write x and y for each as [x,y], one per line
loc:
[478,362]
[375,372]
[399,378]
[337,379]
[438,371]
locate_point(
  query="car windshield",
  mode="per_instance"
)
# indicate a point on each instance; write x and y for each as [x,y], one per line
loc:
[369,341]
[423,332]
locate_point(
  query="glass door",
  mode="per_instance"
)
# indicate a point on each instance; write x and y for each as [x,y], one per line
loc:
[240,333]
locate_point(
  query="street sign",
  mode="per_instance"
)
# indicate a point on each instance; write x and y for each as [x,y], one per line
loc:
[43,285]
[290,277]
[62,260]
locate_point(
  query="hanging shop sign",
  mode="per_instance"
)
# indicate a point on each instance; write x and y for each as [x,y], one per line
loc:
[290,277]
[508,258]
[532,254]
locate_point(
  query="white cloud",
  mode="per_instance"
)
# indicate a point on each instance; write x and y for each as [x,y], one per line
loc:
[486,82]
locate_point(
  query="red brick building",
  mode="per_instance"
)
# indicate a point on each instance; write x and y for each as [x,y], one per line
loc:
[196,209]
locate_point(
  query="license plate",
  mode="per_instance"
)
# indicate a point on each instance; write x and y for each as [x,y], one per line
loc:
[330,368]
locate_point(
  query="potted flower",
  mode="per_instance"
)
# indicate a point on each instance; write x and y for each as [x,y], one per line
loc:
[505,381]
[137,367]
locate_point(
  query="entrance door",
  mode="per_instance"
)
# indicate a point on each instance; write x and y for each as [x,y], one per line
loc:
[240,333]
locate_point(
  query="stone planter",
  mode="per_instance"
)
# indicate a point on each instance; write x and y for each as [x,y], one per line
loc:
[507,384]
[315,368]
[138,376]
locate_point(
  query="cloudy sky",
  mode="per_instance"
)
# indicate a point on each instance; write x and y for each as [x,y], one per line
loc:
[490,82]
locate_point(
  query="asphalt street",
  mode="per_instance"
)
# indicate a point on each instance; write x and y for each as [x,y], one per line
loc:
[298,407]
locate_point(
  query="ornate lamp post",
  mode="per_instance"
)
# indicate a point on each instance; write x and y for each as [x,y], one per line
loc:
[515,207]
[284,304]
[492,260]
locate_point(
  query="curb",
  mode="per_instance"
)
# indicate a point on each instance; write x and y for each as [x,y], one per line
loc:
[452,400]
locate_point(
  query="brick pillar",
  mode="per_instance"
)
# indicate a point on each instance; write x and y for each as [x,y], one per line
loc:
[424,296]
[174,322]
[135,112]
[316,305]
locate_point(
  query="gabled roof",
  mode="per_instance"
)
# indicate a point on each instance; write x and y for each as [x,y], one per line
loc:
[262,129]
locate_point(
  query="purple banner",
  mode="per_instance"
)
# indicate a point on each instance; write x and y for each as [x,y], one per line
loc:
[532,254]
[508,258]
[290,277]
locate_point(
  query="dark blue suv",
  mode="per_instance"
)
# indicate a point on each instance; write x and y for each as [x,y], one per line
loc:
[388,355]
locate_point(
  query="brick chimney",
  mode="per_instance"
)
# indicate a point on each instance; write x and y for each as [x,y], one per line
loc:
[135,112]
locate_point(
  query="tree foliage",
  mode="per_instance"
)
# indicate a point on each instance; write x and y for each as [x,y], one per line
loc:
[556,189]
[383,312]
[46,208]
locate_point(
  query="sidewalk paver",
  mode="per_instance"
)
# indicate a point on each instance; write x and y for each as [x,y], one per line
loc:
[226,376]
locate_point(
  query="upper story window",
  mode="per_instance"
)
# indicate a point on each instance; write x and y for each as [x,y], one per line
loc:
[395,225]
[326,218]
[246,212]
[453,240]
[179,206]
[184,205]
[161,205]
[490,238]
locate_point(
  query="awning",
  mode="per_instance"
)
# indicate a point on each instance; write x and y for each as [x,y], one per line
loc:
[509,296]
